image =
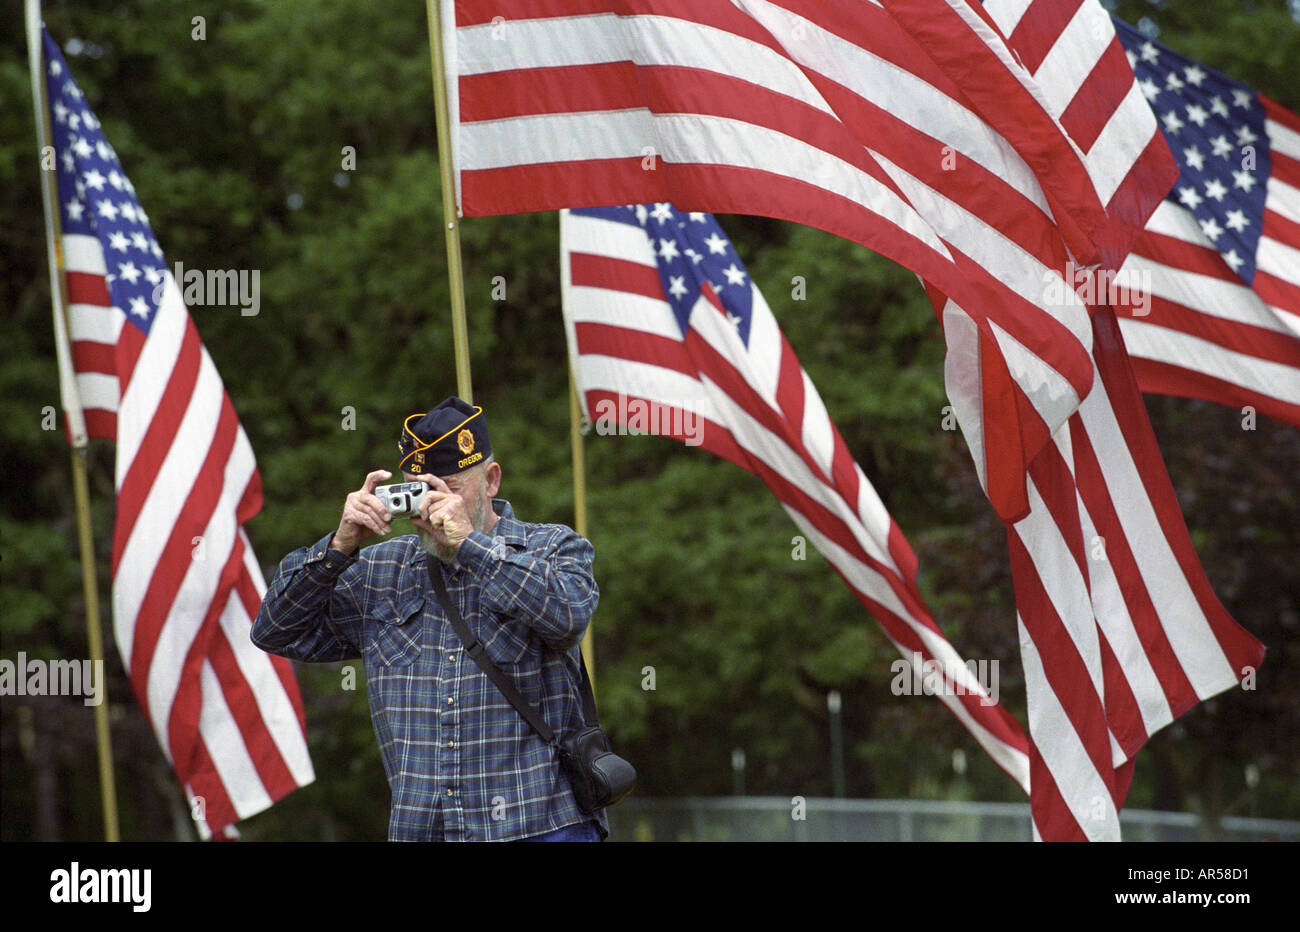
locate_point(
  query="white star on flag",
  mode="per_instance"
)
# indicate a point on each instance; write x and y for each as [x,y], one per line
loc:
[1237,220]
[734,276]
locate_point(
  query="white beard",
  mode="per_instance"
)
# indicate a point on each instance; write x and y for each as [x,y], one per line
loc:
[431,545]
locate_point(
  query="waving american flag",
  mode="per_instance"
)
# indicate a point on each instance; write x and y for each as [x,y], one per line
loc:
[186,584]
[662,315]
[1220,259]
[986,147]
[904,125]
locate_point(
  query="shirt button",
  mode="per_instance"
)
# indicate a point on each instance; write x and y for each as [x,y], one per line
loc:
[451,657]
[450,792]
[450,700]
[320,553]
[451,744]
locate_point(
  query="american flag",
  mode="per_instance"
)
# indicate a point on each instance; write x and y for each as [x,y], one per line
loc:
[1120,631]
[186,584]
[830,113]
[661,315]
[1219,264]
[897,125]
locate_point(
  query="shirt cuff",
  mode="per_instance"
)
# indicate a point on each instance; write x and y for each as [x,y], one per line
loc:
[326,562]
[475,553]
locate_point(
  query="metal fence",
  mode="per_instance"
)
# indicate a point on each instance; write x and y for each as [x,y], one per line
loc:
[769,818]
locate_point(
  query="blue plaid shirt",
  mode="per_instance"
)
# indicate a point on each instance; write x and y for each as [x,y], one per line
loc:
[461,762]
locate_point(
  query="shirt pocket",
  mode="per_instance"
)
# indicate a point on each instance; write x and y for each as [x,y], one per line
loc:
[396,638]
[505,640]
[512,648]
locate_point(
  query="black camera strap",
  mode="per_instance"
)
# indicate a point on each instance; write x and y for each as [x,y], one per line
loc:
[474,647]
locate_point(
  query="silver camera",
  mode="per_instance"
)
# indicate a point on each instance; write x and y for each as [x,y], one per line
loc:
[401,498]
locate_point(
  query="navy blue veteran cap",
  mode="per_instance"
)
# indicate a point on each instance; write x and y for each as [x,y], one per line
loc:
[450,438]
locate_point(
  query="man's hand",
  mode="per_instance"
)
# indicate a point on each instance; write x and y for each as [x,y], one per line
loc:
[443,514]
[364,515]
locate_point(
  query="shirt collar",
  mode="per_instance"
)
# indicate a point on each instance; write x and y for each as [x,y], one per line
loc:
[508,528]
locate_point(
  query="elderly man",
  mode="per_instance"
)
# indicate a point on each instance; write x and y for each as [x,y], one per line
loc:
[462,763]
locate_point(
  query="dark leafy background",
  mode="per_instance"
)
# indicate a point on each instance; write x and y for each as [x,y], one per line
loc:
[235,145]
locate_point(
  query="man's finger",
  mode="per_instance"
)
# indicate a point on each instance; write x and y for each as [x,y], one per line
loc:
[373,479]
[371,501]
[373,507]
[436,484]
[365,520]
[441,505]
[434,498]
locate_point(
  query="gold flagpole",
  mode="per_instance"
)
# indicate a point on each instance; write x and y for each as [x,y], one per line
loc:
[460,336]
[71,405]
[580,506]
[450,204]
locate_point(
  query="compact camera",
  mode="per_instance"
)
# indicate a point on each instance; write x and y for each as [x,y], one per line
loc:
[401,498]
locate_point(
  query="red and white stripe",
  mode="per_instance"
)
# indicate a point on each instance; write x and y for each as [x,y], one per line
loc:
[1120,631]
[1076,60]
[759,409]
[95,328]
[1072,65]
[1207,334]
[1277,277]
[186,585]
